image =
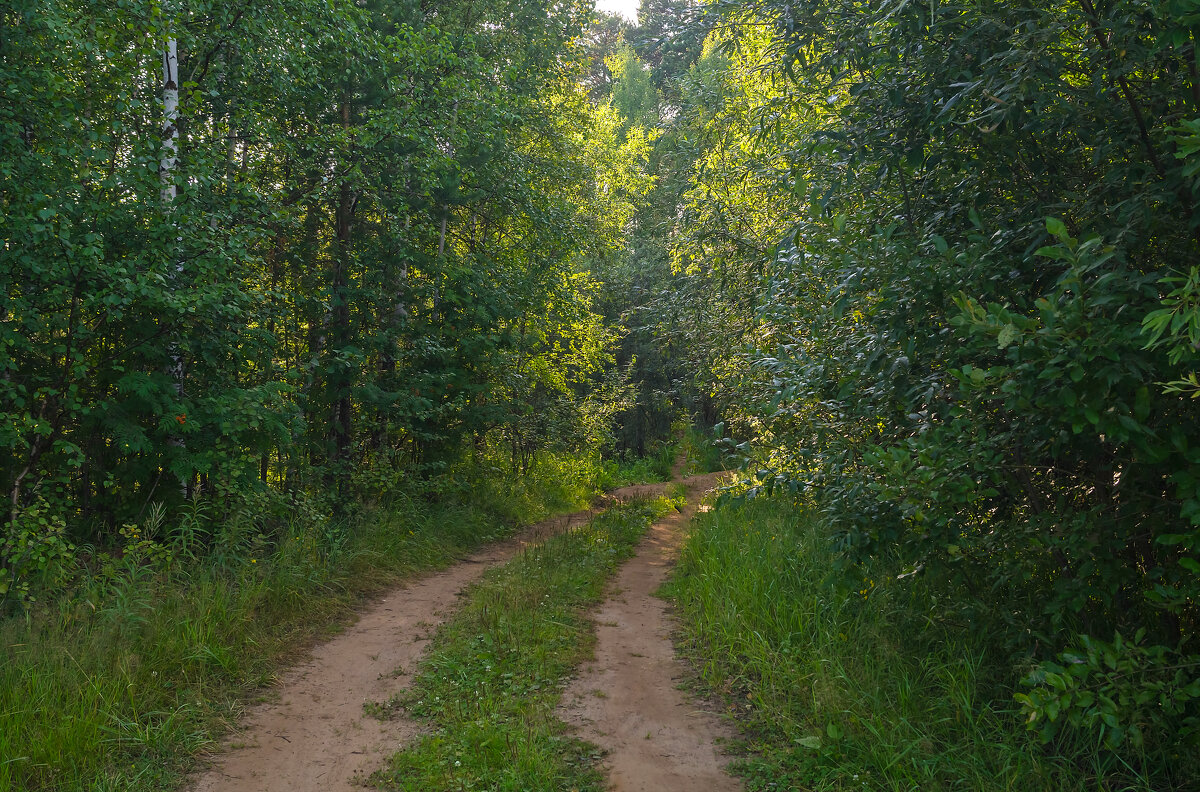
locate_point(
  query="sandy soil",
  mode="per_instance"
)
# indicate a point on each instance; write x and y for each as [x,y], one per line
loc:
[313,735]
[626,701]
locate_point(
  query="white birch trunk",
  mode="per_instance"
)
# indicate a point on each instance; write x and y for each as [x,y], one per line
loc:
[166,168]
[170,148]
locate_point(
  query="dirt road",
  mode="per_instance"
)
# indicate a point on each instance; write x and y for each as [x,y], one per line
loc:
[627,701]
[314,736]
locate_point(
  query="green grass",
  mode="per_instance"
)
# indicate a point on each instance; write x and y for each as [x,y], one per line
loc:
[848,687]
[495,672]
[119,684]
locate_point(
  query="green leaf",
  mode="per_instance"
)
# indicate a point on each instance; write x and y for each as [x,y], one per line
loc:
[1054,252]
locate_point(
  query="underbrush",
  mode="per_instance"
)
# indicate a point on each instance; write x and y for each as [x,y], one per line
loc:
[120,683]
[700,446]
[862,686]
[629,469]
[493,677]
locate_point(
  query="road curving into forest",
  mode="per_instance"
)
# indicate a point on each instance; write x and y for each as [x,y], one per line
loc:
[312,734]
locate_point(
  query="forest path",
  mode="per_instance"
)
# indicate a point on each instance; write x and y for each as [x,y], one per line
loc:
[626,700]
[313,735]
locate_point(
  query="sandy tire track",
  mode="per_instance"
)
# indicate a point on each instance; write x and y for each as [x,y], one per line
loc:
[626,700]
[314,735]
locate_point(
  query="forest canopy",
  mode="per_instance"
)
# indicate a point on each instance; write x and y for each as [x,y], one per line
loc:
[361,238]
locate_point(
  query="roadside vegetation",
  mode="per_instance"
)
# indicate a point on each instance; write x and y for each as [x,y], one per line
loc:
[121,682]
[628,468]
[856,680]
[495,671]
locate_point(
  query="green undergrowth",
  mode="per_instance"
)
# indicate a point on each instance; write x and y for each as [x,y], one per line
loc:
[628,469]
[701,450]
[120,683]
[495,673]
[849,686]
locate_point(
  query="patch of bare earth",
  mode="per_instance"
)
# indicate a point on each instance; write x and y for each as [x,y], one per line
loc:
[313,735]
[626,701]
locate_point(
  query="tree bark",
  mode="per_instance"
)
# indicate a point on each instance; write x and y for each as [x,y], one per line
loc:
[342,418]
[168,160]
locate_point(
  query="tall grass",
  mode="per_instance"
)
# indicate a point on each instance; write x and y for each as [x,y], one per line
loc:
[118,685]
[838,686]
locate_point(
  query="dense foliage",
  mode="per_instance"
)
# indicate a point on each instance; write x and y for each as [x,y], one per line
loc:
[946,287]
[361,240]
[642,80]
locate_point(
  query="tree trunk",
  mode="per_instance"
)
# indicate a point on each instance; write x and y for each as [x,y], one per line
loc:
[168,159]
[341,419]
